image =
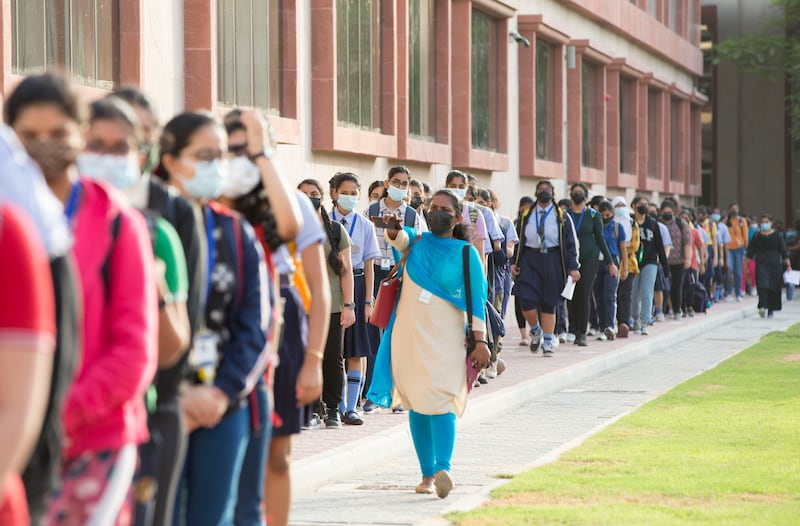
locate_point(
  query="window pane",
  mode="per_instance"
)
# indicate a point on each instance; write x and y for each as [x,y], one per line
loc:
[627,125]
[248,53]
[652,8]
[421,68]
[358,63]
[675,145]
[483,82]
[673,14]
[589,119]
[653,137]
[542,97]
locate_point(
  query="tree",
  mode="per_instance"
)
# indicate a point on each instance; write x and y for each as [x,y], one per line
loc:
[773,51]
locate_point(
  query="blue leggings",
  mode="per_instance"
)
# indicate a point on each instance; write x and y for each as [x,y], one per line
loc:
[434,440]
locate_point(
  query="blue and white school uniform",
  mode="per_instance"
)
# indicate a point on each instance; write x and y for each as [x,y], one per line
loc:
[357,343]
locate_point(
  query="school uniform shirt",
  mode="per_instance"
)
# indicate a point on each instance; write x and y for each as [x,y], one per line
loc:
[385,250]
[550,218]
[362,234]
[666,237]
[613,233]
[492,228]
[509,232]
[723,236]
[310,233]
[337,296]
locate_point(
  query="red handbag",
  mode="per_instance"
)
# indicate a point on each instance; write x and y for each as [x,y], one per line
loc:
[387,294]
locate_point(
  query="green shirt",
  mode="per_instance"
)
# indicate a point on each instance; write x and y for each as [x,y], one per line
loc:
[167,247]
[337,296]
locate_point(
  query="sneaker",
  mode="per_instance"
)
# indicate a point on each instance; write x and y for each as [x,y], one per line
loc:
[691,312]
[659,316]
[562,338]
[602,337]
[683,315]
[762,312]
[770,314]
[645,331]
[637,327]
[398,409]
[524,342]
[352,419]
[370,408]
[482,379]
[333,420]
[739,299]
[315,422]
[570,338]
[728,298]
[580,341]
[491,371]
[536,340]
[609,334]
[593,332]
[547,350]
[501,366]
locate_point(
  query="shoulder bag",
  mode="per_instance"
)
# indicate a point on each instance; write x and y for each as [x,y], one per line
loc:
[387,294]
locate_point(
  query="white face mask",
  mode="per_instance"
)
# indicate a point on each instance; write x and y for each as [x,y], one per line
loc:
[397,194]
[120,171]
[243,177]
[348,202]
[460,192]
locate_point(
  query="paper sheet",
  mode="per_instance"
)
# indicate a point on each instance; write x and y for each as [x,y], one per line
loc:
[569,289]
[792,276]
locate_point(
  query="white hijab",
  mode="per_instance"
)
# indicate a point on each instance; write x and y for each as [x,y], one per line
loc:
[22,184]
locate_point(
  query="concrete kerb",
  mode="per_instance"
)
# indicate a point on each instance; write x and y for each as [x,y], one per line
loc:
[350,459]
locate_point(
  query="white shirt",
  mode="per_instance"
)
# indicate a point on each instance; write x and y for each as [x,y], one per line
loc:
[362,234]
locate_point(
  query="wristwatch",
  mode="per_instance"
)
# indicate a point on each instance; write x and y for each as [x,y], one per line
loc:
[370,303]
[350,305]
[267,152]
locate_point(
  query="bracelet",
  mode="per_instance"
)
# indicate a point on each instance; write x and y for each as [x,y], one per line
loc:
[318,354]
[482,341]
[370,303]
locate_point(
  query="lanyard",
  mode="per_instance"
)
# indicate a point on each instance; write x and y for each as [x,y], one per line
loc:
[580,221]
[539,230]
[209,248]
[73,201]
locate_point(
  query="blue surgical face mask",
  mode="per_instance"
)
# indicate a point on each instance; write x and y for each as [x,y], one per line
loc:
[397,194]
[460,192]
[121,172]
[348,202]
[716,218]
[621,211]
[765,227]
[208,181]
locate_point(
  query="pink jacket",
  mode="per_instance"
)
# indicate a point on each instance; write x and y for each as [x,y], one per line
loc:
[104,407]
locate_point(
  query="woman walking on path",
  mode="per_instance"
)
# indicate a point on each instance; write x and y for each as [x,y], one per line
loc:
[769,252]
[427,330]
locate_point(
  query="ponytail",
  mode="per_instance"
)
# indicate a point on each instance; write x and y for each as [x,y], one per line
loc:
[334,256]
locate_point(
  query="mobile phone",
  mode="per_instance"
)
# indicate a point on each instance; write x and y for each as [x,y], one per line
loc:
[383,222]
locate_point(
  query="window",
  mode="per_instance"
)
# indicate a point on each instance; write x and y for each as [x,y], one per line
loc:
[80,35]
[653,135]
[674,15]
[627,125]
[358,68]
[591,114]
[652,8]
[546,78]
[248,54]
[484,81]
[676,152]
[422,68]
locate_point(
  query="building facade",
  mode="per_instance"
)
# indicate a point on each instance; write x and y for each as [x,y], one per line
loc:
[603,92]
[749,156]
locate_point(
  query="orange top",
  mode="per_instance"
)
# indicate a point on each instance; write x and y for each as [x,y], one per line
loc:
[738,232]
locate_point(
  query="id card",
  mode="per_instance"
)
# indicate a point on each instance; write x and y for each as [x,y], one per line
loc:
[386,264]
[425,297]
[204,350]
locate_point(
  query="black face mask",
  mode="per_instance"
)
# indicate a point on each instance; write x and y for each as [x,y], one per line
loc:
[416,202]
[607,220]
[653,215]
[544,197]
[578,197]
[734,213]
[316,201]
[439,222]
[666,217]
[641,209]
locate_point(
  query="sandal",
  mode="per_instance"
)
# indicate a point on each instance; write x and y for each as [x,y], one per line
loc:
[426,487]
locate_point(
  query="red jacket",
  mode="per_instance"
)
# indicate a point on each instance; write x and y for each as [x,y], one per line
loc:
[104,408]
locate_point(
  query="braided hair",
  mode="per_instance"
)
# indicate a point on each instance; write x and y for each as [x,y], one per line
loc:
[334,256]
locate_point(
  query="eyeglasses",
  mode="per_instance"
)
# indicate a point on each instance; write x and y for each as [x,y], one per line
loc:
[399,184]
[119,149]
[237,150]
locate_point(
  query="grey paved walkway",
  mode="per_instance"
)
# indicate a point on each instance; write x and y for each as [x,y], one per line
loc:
[529,427]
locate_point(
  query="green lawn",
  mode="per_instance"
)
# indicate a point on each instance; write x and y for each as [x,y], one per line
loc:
[722,449]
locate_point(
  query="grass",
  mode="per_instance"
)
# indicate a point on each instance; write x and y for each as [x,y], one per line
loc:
[722,448]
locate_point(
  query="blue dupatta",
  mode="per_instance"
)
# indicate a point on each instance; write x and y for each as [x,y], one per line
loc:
[435,264]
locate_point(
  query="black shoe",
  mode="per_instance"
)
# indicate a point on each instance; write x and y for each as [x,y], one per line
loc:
[580,341]
[333,419]
[352,419]
[482,379]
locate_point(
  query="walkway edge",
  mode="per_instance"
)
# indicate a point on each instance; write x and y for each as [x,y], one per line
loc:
[350,459]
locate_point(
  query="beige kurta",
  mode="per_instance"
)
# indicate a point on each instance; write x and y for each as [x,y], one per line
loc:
[428,355]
